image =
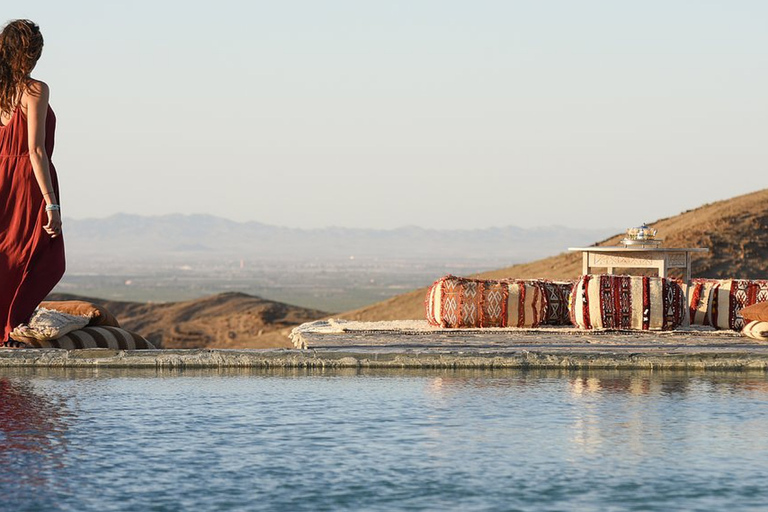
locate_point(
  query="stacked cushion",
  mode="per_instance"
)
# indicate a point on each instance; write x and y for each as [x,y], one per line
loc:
[627,302]
[462,302]
[719,302]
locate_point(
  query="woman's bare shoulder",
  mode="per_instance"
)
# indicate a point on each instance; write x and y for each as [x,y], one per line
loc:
[37,91]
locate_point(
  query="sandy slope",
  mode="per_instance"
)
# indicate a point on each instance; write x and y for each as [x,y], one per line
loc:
[734,230]
[227,320]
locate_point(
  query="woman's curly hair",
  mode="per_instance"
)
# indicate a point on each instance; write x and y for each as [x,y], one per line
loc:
[21,45]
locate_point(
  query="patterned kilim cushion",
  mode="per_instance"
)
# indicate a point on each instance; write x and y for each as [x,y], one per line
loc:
[756,330]
[96,337]
[627,302]
[719,302]
[699,297]
[461,302]
[558,294]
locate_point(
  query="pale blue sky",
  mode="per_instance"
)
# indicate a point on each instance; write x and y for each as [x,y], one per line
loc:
[437,113]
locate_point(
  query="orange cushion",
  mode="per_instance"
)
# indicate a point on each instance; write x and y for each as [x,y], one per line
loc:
[756,312]
[99,316]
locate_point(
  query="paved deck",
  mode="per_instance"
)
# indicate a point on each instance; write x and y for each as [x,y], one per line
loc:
[413,345]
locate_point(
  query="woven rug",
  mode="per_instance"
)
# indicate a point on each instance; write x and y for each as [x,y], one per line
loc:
[395,328]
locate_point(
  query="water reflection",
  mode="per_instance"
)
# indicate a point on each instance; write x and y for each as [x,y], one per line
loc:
[635,382]
[609,409]
[33,441]
[592,382]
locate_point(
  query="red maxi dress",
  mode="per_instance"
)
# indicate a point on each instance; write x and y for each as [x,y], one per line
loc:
[31,261]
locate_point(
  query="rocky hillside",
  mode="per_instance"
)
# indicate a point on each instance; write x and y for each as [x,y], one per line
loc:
[227,320]
[735,231]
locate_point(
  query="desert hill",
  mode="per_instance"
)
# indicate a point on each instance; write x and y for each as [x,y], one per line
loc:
[735,231]
[227,320]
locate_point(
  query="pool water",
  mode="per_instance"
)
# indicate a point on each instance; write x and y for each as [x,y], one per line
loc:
[364,440]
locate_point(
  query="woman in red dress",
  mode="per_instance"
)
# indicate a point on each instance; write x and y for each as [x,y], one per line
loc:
[31,246]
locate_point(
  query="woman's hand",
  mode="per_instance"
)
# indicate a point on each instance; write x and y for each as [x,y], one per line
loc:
[53,227]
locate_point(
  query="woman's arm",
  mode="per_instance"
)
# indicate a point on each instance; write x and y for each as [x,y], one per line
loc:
[37,110]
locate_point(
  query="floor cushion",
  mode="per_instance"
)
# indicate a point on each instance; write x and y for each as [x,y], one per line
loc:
[97,315]
[96,337]
[755,312]
[718,302]
[699,300]
[463,302]
[756,330]
[558,294]
[601,301]
[48,324]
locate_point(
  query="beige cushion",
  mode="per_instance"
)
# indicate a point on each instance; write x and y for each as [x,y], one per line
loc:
[756,330]
[48,324]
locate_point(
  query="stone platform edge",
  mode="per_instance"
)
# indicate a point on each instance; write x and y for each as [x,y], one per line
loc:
[456,359]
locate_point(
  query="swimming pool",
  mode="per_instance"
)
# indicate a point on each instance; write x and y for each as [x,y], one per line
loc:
[382,440]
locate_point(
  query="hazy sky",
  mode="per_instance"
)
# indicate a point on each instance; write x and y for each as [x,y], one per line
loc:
[437,113]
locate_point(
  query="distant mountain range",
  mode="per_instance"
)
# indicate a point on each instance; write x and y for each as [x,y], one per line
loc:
[201,237]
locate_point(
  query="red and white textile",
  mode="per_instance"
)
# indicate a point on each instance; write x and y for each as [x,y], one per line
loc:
[558,295]
[462,302]
[717,302]
[627,302]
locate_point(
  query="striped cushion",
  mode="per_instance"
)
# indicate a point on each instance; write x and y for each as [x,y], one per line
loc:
[756,330]
[97,337]
[462,302]
[719,302]
[627,302]
[699,298]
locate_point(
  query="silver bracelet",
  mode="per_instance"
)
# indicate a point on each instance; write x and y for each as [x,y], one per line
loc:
[53,208]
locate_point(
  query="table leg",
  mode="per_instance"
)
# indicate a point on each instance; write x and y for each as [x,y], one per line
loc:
[687,284]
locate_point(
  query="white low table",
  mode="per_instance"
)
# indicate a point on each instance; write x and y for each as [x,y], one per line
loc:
[660,258]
